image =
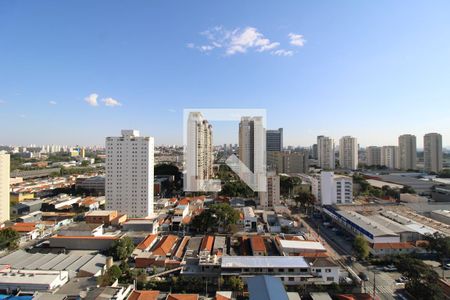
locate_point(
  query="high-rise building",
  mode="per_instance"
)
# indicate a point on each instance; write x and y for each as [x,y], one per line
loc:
[289,162]
[199,153]
[274,140]
[271,198]
[325,152]
[314,154]
[390,157]
[252,144]
[129,174]
[432,152]
[407,152]
[4,186]
[348,153]
[373,156]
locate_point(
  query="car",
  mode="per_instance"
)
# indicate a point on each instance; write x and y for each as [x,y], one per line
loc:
[334,229]
[390,268]
[447,266]
[326,224]
[363,276]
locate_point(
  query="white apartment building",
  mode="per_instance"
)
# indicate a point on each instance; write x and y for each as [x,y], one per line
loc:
[390,157]
[4,186]
[129,174]
[432,152]
[407,152]
[198,154]
[332,189]
[325,152]
[348,153]
[271,198]
[373,156]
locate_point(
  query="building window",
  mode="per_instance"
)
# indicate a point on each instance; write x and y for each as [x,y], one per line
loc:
[330,279]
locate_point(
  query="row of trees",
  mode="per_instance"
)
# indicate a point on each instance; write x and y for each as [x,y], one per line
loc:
[365,189]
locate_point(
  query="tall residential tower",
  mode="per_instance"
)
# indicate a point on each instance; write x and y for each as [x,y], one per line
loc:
[325,152]
[129,174]
[407,152]
[348,153]
[432,152]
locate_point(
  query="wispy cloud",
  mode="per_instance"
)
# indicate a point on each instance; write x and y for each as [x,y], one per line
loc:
[282,52]
[238,40]
[296,39]
[92,99]
[52,102]
[111,102]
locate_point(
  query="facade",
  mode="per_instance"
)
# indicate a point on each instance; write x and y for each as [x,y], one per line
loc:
[4,186]
[390,157]
[407,152]
[129,174]
[271,197]
[325,152]
[332,189]
[274,140]
[199,153]
[432,152]
[348,153]
[373,156]
[250,219]
[289,162]
[252,144]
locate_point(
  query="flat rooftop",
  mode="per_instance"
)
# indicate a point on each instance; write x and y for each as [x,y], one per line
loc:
[264,262]
[367,224]
[302,245]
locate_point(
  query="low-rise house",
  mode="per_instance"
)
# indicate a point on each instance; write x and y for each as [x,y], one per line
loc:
[143,295]
[258,246]
[250,219]
[104,217]
[297,247]
[182,297]
[141,224]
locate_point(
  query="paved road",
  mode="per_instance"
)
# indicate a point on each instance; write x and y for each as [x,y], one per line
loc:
[384,282]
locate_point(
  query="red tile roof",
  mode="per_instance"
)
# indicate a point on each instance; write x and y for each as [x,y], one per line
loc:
[144,295]
[257,244]
[207,243]
[392,246]
[147,242]
[165,245]
[182,297]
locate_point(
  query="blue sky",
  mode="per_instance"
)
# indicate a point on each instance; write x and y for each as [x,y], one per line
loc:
[371,69]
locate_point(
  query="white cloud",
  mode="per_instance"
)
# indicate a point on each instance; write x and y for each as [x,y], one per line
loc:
[92,99]
[282,52]
[111,102]
[236,41]
[52,102]
[296,39]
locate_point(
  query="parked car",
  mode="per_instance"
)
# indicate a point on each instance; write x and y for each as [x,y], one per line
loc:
[390,268]
[447,266]
[334,229]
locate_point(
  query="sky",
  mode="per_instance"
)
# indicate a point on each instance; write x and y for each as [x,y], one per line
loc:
[74,72]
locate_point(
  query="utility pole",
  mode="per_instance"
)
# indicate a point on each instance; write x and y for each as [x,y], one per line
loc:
[374,284]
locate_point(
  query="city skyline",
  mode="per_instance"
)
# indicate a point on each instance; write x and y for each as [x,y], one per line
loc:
[331,70]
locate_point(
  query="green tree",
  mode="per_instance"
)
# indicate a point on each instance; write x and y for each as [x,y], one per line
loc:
[407,190]
[305,199]
[85,163]
[121,249]
[361,247]
[440,244]
[216,217]
[9,239]
[110,276]
[422,279]
[235,283]
[287,184]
